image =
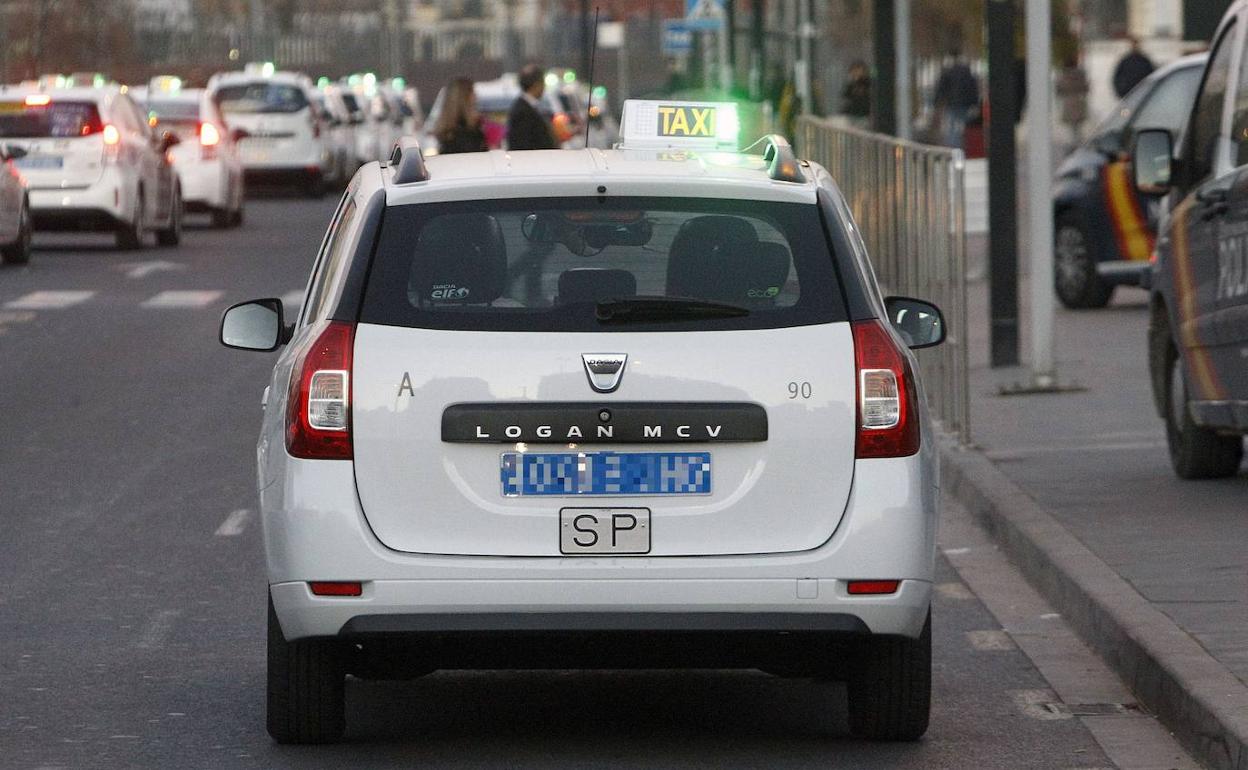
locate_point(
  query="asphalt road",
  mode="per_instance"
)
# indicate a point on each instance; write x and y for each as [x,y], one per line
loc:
[132,588]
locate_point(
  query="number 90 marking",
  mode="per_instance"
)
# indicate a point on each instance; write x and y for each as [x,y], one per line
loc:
[799,390]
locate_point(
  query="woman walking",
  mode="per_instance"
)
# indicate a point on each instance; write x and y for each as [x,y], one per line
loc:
[459,125]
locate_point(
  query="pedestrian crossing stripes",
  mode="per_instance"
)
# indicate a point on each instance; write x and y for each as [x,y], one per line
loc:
[49,300]
[18,310]
[183,299]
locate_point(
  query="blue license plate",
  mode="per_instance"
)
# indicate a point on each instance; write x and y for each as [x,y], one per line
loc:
[40,161]
[527,474]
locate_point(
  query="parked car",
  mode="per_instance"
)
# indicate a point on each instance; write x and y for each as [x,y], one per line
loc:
[1104,229]
[340,125]
[1198,321]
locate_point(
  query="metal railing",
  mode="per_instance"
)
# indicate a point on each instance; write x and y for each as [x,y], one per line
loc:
[909,203]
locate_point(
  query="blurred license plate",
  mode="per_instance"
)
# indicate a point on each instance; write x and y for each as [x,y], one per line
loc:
[527,474]
[40,161]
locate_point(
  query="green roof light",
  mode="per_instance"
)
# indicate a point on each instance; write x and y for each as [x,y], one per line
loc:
[569,76]
[600,92]
[728,125]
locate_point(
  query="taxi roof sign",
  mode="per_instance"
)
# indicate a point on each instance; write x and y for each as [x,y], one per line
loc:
[679,125]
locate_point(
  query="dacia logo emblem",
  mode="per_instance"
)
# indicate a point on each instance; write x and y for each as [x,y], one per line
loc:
[605,370]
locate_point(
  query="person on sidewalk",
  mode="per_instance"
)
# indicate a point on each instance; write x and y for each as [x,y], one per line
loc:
[957,93]
[1132,68]
[1072,93]
[527,127]
[459,126]
[856,96]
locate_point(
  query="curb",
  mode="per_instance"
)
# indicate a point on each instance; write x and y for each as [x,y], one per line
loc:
[1192,694]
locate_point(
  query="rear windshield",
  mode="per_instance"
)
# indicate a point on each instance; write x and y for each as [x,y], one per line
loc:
[571,264]
[182,117]
[58,119]
[261,97]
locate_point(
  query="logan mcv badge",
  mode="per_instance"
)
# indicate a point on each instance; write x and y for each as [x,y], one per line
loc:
[605,370]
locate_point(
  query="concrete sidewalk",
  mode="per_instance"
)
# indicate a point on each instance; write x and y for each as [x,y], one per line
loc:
[1077,487]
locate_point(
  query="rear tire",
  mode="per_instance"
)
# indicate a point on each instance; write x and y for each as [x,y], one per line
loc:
[130,234]
[18,252]
[1075,279]
[306,688]
[890,688]
[222,218]
[316,186]
[172,235]
[1196,452]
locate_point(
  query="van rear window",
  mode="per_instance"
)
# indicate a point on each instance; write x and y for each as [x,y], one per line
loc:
[54,119]
[602,264]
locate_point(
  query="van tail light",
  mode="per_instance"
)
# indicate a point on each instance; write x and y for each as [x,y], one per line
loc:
[318,406]
[209,139]
[888,420]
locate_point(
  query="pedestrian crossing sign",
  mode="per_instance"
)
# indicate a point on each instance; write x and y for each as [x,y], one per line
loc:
[673,124]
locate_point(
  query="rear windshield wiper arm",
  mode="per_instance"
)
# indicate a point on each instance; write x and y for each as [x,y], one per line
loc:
[651,309]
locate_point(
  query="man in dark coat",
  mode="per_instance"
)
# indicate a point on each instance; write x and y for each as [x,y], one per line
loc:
[1131,69]
[527,127]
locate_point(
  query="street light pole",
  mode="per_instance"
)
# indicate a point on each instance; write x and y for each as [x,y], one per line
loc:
[1040,192]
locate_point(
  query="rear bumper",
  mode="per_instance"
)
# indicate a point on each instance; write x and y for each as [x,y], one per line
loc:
[314,530]
[559,606]
[100,206]
[1121,272]
[204,186]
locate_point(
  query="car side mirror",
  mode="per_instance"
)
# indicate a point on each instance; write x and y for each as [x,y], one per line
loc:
[920,324]
[239,134]
[1153,159]
[9,152]
[255,325]
[167,140]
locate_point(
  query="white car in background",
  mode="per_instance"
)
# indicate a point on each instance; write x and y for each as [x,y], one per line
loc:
[207,158]
[341,128]
[15,222]
[92,162]
[286,140]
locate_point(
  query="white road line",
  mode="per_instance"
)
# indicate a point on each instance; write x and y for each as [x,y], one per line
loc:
[157,629]
[49,300]
[957,591]
[990,641]
[194,299]
[234,523]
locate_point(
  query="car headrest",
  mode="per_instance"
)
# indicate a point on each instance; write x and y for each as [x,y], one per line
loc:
[694,250]
[595,284]
[460,259]
[740,273]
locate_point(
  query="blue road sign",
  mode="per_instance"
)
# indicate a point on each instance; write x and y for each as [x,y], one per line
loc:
[677,37]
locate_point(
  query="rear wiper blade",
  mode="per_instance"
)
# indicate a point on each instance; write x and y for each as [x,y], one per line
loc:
[650,309]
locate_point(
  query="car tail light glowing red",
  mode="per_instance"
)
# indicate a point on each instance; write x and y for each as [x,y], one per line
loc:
[335,588]
[888,424]
[872,587]
[209,138]
[318,407]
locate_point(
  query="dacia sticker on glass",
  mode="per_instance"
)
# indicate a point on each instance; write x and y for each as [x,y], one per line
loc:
[572,474]
[684,121]
[448,291]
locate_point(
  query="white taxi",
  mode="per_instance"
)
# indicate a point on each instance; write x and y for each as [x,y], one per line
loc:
[286,140]
[207,159]
[597,409]
[92,162]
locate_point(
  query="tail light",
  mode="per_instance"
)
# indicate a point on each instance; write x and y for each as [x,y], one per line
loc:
[888,420]
[209,139]
[112,142]
[318,407]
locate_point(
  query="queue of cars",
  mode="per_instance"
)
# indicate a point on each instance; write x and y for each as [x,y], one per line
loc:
[80,152]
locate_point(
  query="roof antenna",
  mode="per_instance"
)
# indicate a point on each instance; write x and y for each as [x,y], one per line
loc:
[593,54]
